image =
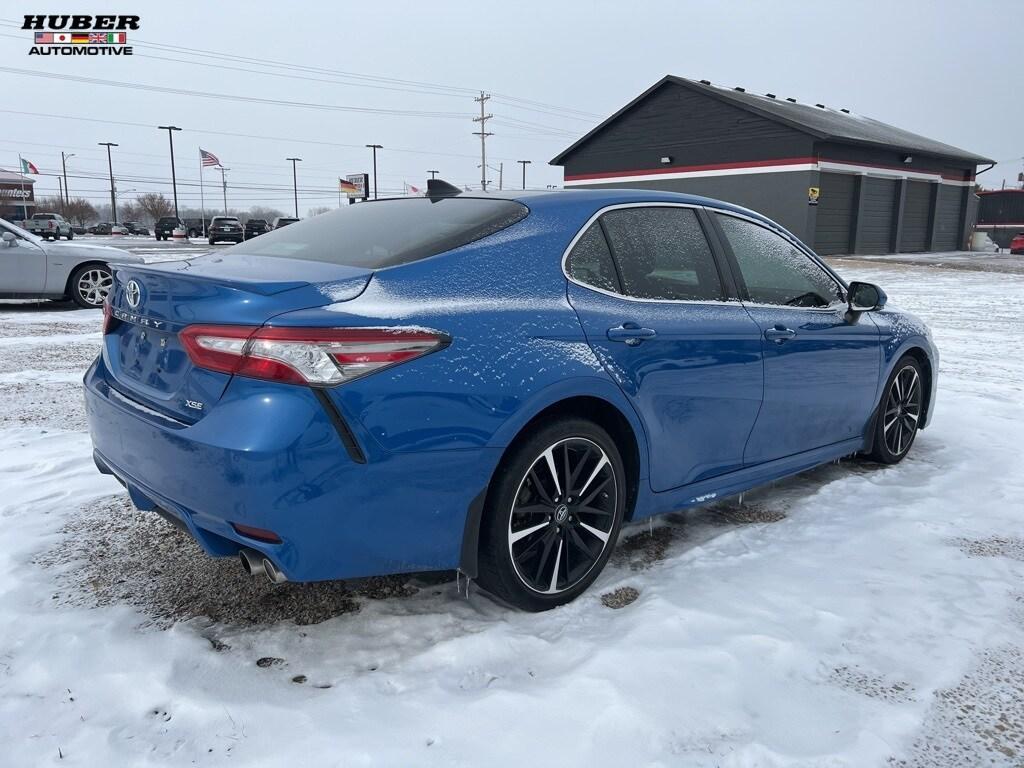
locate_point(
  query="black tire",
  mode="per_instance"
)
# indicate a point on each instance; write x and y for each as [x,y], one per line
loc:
[90,284]
[212,241]
[71,234]
[899,412]
[531,511]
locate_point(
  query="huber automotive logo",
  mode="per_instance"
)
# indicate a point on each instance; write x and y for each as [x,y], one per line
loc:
[74,35]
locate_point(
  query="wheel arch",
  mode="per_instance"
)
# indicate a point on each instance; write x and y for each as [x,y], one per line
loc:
[925,361]
[627,435]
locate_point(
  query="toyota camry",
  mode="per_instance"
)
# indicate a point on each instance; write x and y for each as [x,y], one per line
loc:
[490,383]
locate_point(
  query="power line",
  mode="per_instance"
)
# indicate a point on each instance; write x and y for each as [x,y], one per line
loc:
[233,97]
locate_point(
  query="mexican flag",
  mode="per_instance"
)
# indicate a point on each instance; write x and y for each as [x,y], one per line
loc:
[27,167]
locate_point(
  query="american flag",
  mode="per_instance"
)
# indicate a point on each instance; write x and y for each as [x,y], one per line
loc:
[208,158]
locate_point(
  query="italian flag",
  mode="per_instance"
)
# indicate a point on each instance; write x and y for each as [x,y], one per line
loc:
[27,167]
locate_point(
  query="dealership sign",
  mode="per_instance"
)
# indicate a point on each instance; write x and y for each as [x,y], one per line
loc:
[356,185]
[80,35]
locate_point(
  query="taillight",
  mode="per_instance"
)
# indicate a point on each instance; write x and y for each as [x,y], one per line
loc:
[323,356]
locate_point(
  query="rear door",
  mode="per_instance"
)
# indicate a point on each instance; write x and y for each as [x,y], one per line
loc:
[821,367]
[654,306]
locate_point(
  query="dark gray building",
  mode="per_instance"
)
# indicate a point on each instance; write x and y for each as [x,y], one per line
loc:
[840,182]
[1001,214]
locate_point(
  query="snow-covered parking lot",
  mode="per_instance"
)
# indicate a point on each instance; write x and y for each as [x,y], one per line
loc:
[853,616]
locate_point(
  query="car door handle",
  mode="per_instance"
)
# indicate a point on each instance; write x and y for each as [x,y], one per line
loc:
[779,334]
[630,333]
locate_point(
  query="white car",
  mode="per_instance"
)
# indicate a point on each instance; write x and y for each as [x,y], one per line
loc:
[32,268]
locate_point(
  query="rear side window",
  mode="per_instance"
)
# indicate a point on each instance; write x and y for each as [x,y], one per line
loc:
[590,261]
[387,233]
[662,253]
[774,270]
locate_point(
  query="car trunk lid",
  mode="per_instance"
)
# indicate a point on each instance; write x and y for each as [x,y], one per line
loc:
[151,304]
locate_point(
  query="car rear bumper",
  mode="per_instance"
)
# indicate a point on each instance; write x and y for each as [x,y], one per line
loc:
[269,456]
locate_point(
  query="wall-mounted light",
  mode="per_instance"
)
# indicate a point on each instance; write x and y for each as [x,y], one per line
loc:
[907,158]
[666,160]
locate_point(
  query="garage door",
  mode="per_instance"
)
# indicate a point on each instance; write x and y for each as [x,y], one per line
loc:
[916,210]
[879,211]
[947,218]
[835,213]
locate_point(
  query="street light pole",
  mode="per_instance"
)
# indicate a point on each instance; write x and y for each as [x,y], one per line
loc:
[110,167]
[433,174]
[174,180]
[374,147]
[295,183]
[64,165]
[524,163]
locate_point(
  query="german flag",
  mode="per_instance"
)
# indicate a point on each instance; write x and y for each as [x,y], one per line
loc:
[77,39]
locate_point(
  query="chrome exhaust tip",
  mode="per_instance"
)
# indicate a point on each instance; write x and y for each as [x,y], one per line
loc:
[273,573]
[252,562]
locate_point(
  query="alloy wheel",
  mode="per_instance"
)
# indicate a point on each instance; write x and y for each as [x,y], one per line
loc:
[902,411]
[563,515]
[94,285]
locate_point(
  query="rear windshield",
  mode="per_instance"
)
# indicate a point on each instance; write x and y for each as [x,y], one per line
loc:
[45,216]
[386,233]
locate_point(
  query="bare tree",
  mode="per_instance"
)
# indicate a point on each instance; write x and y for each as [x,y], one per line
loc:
[262,212]
[80,211]
[316,211]
[130,211]
[155,205]
[49,204]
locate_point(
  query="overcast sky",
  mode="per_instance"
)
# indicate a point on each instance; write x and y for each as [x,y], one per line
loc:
[946,69]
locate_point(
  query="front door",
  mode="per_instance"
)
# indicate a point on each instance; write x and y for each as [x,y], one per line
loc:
[653,308]
[22,264]
[821,366]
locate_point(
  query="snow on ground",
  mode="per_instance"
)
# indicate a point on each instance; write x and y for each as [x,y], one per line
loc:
[853,616]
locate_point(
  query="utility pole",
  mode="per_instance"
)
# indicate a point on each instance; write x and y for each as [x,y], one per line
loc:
[374,147]
[433,174]
[483,134]
[64,165]
[224,187]
[524,163]
[174,179]
[501,176]
[63,202]
[110,167]
[295,183]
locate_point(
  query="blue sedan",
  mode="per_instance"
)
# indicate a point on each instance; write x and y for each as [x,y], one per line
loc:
[490,383]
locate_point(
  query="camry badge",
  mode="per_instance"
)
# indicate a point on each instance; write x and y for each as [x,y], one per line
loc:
[132,294]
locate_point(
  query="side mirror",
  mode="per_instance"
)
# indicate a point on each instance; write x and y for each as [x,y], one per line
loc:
[865,297]
[10,240]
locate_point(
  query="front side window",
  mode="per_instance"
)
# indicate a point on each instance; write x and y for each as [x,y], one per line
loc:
[590,261]
[662,253]
[774,270]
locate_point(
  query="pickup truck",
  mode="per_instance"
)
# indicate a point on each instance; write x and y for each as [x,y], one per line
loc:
[50,226]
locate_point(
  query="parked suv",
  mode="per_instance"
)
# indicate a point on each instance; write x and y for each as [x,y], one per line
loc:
[1017,244]
[225,228]
[50,226]
[165,226]
[256,227]
[283,221]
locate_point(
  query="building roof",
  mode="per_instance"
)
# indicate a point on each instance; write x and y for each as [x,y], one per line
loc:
[10,177]
[823,122]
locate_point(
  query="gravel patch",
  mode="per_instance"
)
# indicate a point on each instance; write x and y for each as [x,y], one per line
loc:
[620,598]
[978,723]
[56,406]
[71,356]
[872,685]
[22,329]
[111,553]
[994,546]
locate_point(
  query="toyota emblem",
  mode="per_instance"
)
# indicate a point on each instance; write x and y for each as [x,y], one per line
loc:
[132,294]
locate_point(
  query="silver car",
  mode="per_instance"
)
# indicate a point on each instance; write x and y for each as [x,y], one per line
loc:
[31,268]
